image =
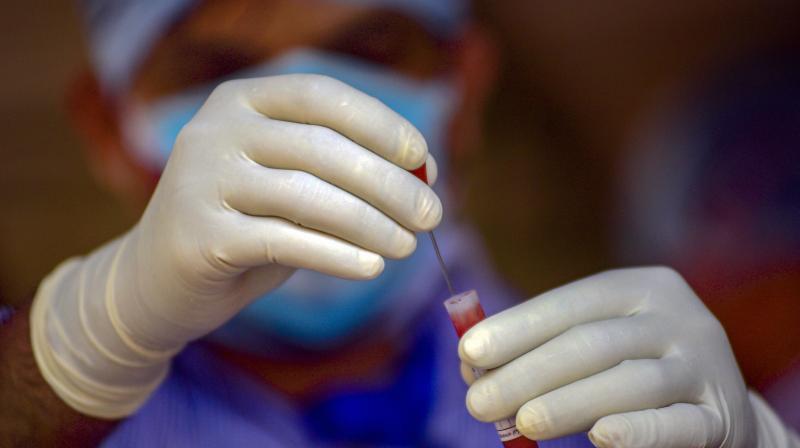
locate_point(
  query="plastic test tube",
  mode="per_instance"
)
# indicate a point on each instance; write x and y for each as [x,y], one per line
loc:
[465,311]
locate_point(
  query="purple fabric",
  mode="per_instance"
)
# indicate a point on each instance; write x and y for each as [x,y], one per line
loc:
[6,312]
[207,403]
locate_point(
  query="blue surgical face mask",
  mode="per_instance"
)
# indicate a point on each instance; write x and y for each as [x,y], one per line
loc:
[313,310]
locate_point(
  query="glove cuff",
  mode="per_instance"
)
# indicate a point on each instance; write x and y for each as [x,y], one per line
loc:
[77,347]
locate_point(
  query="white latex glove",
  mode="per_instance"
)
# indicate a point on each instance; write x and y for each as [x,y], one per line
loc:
[631,354]
[272,174]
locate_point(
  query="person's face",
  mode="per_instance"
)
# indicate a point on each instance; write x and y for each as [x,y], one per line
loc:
[221,37]
[218,38]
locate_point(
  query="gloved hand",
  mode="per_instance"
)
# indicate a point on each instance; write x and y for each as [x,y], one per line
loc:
[272,174]
[631,354]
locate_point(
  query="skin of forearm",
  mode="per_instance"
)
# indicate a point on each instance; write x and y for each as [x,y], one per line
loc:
[31,414]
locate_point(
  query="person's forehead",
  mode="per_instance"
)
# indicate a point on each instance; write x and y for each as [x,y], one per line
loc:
[267,26]
[122,33]
[442,18]
[219,38]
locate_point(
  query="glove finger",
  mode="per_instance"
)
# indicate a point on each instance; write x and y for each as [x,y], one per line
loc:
[630,386]
[579,352]
[313,203]
[678,426]
[432,170]
[343,163]
[257,281]
[467,374]
[258,241]
[324,101]
[517,330]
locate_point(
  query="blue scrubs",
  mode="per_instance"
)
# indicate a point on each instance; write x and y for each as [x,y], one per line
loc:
[208,402]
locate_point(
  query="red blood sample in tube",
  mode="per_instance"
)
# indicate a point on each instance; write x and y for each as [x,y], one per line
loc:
[465,311]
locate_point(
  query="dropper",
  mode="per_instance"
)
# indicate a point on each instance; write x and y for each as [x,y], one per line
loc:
[442,266]
[422,174]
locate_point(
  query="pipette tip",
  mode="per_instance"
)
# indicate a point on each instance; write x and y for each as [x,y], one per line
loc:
[442,266]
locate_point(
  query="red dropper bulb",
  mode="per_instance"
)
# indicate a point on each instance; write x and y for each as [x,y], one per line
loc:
[421,172]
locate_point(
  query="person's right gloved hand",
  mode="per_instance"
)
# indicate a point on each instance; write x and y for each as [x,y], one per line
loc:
[272,174]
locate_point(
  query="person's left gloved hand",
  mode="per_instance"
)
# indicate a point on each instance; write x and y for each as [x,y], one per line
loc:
[632,354]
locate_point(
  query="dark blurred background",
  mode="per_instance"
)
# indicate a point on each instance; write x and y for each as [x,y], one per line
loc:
[51,206]
[573,178]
